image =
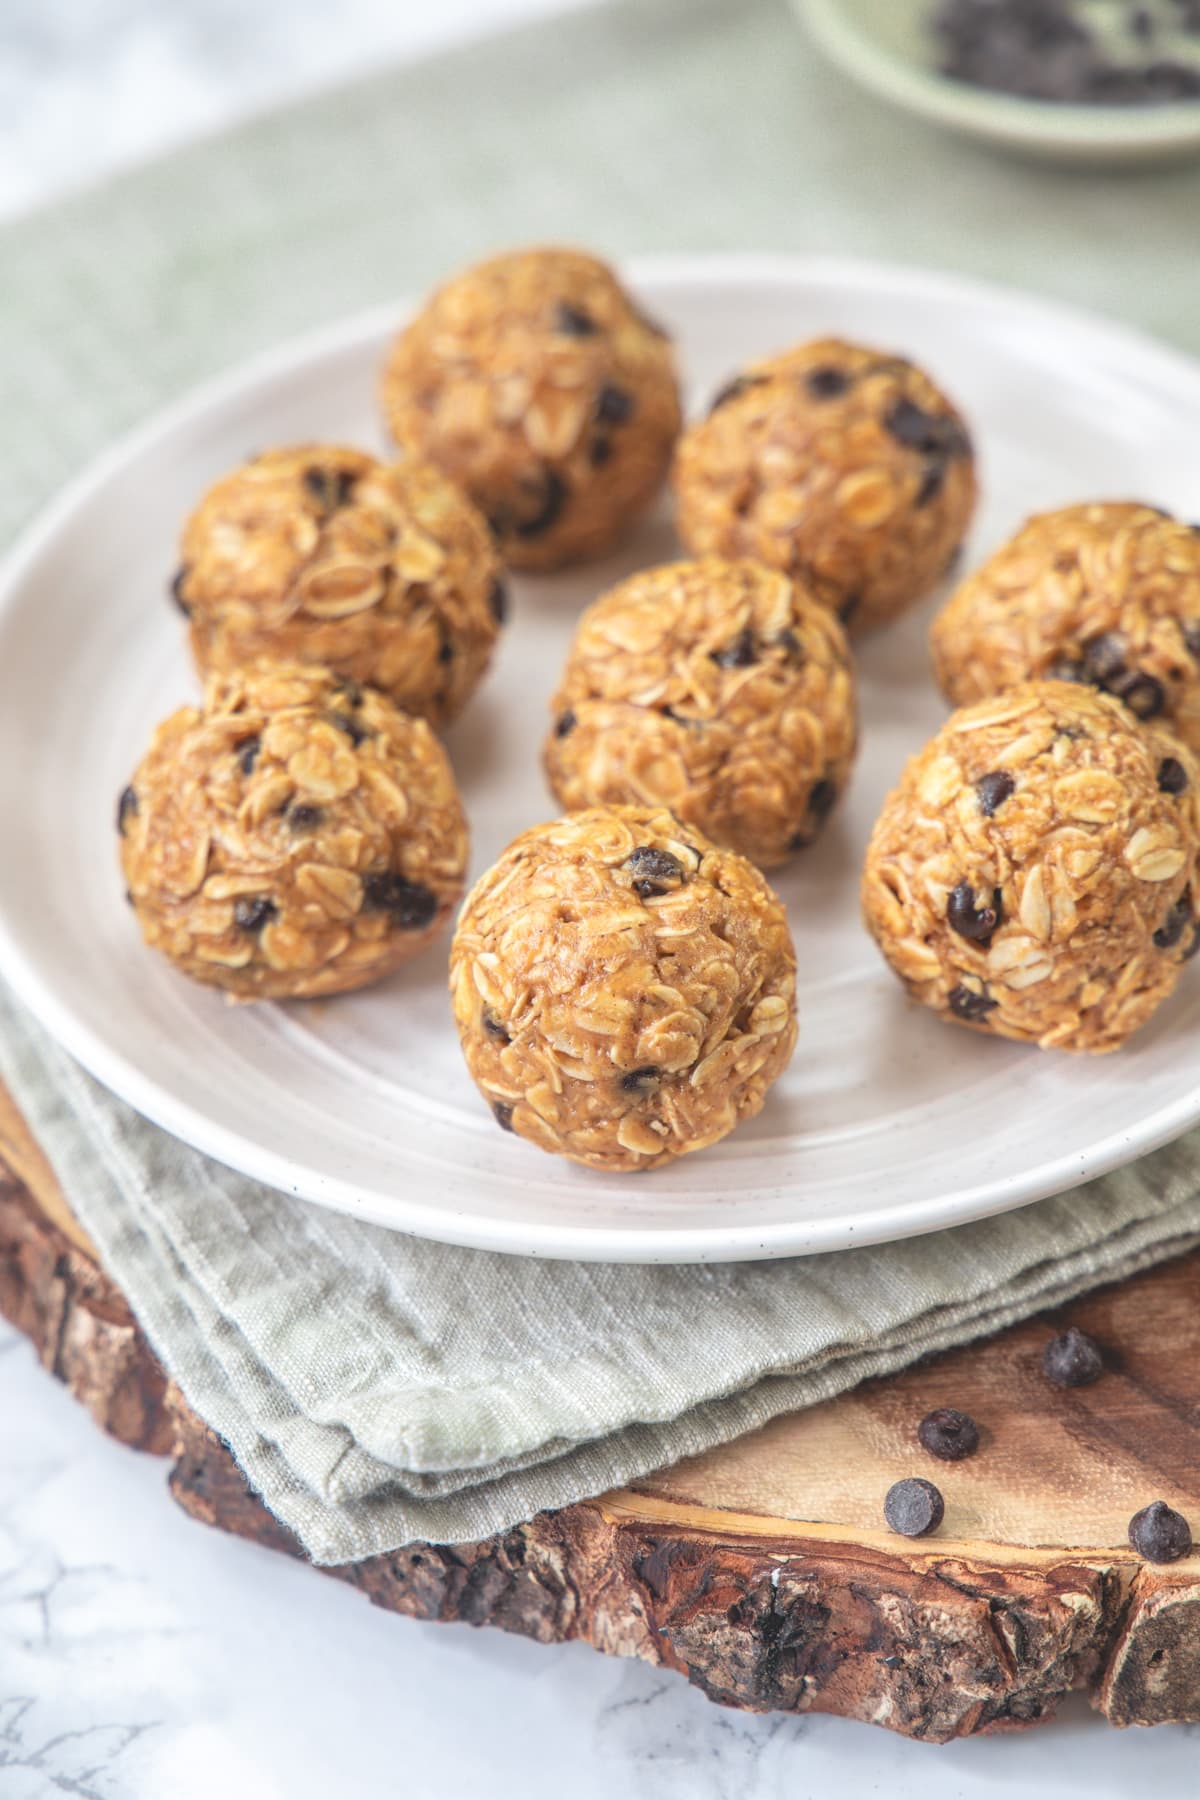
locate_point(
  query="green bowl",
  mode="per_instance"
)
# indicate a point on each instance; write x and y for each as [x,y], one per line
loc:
[887,47]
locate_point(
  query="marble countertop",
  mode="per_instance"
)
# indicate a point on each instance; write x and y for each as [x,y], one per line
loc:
[142,1656]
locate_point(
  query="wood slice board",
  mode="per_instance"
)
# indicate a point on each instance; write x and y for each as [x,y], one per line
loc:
[760,1570]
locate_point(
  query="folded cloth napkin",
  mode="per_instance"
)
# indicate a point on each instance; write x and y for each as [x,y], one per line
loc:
[376,1389]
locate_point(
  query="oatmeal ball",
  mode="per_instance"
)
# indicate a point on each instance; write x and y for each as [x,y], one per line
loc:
[537,384]
[1034,874]
[1107,594]
[624,991]
[297,835]
[718,689]
[843,466]
[384,573]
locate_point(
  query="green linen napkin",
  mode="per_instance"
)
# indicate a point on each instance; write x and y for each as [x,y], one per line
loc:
[376,1389]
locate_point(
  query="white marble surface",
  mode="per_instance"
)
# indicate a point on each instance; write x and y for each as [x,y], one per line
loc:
[145,1658]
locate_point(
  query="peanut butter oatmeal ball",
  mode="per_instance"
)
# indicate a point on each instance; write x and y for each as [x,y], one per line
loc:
[1034,874]
[718,689]
[624,990]
[1107,594]
[297,835]
[384,573]
[534,381]
[843,466]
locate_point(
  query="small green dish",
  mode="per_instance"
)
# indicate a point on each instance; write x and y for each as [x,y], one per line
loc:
[887,46]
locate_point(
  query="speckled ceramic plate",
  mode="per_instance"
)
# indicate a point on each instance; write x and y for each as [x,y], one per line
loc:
[887,1122]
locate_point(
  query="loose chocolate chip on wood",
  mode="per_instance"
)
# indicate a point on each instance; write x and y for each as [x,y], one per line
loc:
[566,724]
[970,921]
[552,497]
[1142,694]
[966,1003]
[1175,924]
[1072,1359]
[253,914]
[247,754]
[948,1434]
[738,654]
[498,601]
[127,806]
[614,405]
[993,790]
[641,1081]
[914,1507]
[354,731]
[503,1115]
[1172,776]
[1159,1533]
[410,905]
[827,382]
[304,817]
[494,1027]
[573,321]
[177,593]
[654,871]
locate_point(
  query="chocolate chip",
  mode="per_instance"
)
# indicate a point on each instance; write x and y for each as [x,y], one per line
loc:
[248,754]
[498,600]
[330,488]
[351,692]
[252,915]
[654,871]
[641,1081]
[1142,694]
[993,790]
[932,483]
[965,1003]
[566,724]
[552,497]
[822,798]
[303,817]
[445,651]
[827,382]
[494,1027]
[1175,924]
[599,451]
[177,594]
[1104,659]
[738,654]
[1159,1533]
[969,920]
[789,643]
[913,1507]
[503,1115]
[354,731]
[1172,776]
[740,384]
[934,434]
[1191,637]
[127,806]
[410,905]
[948,1434]
[849,607]
[1072,1359]
[614,405]
[573,321]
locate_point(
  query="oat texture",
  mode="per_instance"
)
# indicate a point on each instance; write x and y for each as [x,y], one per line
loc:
[1034,874]
[843,466]
[536,383]
[384,573]
[1107,594]
[624,990]
[295,836]
[718,689]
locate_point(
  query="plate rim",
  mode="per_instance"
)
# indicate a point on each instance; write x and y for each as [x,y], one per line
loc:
[603,1243]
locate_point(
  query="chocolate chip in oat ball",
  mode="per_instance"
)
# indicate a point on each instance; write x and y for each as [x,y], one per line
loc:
[641,1081]
[1142,694]
[614,405]
[503,1115]
[827,382]
[1072,1359]
[822,798]
[357,733]
[969,920]
[1175,924]
[934,434]
[1159,1533]
[445,651]
[599,451]
[498,600]
[971,1004]
[303,817]
[788,642]
[177,595]
[247,754]
[1172,776]
[1103,659]
[494,1026]
[913,1507]
[410,905]
[993,790]
[253,914]
[566,724]
[127,806]
[551,498]
[849,607]
[738,654]
[654,871]
[948,1434]
[740,384]
[351,692]
[932,483]
[573,321]
[330,488]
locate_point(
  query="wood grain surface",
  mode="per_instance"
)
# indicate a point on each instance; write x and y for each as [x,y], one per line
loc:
[762,1571]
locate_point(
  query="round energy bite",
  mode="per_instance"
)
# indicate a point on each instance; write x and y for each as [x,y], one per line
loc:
[718,689]
[843,466]
[1107,594]
[1034,873]
[624,990]
[382,572]
[536,383]
[295,836]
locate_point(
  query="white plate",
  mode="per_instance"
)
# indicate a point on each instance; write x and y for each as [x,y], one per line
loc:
[887,1123]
